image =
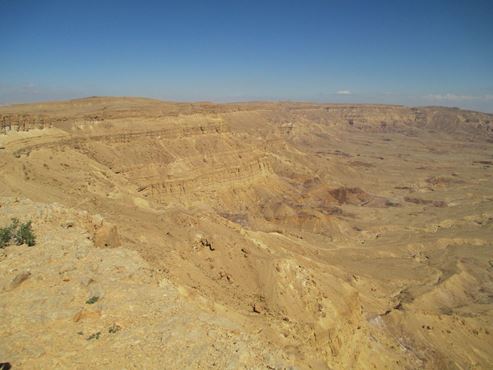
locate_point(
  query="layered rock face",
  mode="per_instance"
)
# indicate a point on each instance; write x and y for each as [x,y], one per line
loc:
[331,236]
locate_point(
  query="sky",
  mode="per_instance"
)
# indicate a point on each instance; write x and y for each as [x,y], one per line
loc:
[412,52]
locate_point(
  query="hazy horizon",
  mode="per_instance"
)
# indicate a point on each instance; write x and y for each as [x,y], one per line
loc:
[246,101]
[424,53]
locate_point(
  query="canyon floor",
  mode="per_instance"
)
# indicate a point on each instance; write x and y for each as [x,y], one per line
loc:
[251,235]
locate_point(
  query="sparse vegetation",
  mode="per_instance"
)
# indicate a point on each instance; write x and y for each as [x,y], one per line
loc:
[94,336]
[92,300]
[5,236]
[114,328]
[18,233]
[25,235]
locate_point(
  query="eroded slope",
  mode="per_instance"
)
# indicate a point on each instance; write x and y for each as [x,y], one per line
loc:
[351,236]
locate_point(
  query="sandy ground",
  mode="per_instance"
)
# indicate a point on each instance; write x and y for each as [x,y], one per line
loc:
[256,235]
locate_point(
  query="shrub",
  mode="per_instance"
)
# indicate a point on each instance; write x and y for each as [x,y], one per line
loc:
[25,235]
[20,234]
[5,236]
[94,336]
[92,300]
[6,233]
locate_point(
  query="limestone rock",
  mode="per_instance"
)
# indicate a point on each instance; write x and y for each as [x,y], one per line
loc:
[107,236]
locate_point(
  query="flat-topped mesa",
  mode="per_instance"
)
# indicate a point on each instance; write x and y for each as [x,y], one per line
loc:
[360,116]
[455,121]
[164,133]
[127,135]
[172,156]
[371,115]
[398,118]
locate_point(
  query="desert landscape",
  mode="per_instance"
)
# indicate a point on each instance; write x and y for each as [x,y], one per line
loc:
[269,235]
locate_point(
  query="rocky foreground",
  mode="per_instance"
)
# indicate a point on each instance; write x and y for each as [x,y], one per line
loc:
[67,304]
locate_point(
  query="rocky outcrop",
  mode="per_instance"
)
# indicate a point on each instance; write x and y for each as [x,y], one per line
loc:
[214,180]
[111,307]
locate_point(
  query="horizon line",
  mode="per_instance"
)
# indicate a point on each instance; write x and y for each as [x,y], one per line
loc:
[225,102]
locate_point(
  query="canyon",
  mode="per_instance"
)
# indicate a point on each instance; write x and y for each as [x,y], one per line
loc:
[247,235]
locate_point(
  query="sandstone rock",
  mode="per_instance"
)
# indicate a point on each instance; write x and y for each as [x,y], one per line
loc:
[97,220]
[107,236]
[19,279]
[84,314]
[67,224]
[258,307]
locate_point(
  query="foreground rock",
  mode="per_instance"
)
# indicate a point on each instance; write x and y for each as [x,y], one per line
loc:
[67,304]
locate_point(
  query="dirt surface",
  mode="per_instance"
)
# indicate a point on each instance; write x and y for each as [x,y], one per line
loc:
[255,235]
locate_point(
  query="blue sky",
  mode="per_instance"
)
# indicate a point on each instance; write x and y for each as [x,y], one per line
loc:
[408,52]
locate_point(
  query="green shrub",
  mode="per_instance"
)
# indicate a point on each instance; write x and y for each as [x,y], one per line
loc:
[25,235]
[92,300]
[5,236]
[6,233]
[94,336]
[20,234]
